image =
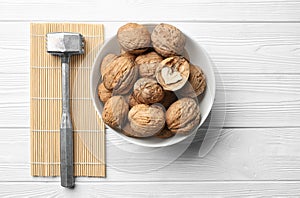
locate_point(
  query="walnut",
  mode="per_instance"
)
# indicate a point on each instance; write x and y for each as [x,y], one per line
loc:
[148,63]
[146,120]
[173,72]
[128,131]
[121,75]
[132,101]
[196,83]
[103,93]
[115,111]
[105,62]
[127,54]
[147,91]
[159,106]
[134,38]
[126,97]
[167,40]
[165,133]
[183,116]
[169,98]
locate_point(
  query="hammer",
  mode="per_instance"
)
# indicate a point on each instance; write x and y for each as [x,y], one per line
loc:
[65,44]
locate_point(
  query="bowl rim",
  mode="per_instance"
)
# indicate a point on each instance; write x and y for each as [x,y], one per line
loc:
[132,140]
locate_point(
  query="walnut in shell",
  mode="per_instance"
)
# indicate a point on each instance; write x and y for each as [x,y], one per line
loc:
[159,106]
[173,72]
[148,63]
[127,54]
[134,38]
[121,75]
[167,40]
[132,101]
[147,91]
[115,111]
[196,83]
[165,133]
[183,116]
[105,62]
[103,93]
[146,120]
[168,99]
[128,131]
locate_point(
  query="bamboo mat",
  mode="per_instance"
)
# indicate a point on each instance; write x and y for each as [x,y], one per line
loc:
[45,104]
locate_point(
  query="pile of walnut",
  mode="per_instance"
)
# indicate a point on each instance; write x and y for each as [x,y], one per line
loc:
[151,89]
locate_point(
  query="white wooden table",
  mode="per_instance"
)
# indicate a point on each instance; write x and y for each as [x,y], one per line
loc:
[256,47]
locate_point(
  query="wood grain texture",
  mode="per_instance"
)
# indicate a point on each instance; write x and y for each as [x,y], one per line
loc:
[252,100]
[264,48]
[255,45]
[144,189]
[239,155]
[259,64]
[133,10]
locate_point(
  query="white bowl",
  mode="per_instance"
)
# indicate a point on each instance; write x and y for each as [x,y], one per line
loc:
[197,56]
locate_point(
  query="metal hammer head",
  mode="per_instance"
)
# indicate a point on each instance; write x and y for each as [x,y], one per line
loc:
[65,43]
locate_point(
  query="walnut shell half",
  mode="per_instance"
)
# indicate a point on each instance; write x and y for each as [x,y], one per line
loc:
[167,40]
[121,75]
[183,116]
[134,38]
[148,63]
[147,91]
[146,120]
[196,83]
[173,72]
[115,111]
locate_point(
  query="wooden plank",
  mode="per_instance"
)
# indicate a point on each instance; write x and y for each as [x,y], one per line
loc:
[234,47]
[266,51]
[158,189]
[239,155]
[134,10]
[252,100]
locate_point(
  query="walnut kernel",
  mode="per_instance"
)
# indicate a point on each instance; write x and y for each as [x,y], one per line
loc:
[173,72]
